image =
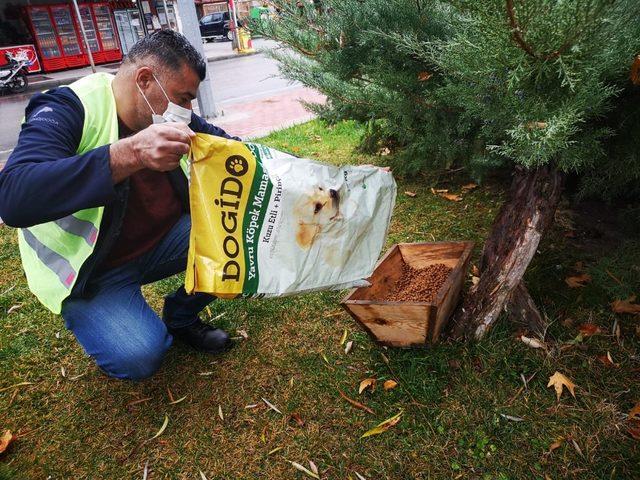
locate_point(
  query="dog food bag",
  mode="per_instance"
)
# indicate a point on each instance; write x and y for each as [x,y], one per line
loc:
[265,223]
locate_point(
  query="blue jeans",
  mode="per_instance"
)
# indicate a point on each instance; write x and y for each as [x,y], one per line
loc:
[117,327]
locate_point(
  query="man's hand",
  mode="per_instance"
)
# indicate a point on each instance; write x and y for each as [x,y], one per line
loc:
[158,147]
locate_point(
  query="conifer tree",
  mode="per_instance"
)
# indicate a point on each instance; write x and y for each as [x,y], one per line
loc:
[538,87]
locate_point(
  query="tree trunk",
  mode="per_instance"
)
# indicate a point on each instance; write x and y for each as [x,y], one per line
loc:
[514,239]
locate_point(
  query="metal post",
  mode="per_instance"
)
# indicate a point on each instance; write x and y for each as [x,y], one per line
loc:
[166,14]
[234,19]
[191,30]
[142,18]
[84,36]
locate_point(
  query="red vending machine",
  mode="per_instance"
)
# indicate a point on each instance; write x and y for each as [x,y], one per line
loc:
[46,38]
[110,47]
[58,35]
[69,35]
[90,29]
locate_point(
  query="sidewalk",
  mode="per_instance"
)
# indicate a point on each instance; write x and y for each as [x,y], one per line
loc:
[215,51]
[259,117]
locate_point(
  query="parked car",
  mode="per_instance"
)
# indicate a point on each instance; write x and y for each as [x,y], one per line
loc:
[215,25]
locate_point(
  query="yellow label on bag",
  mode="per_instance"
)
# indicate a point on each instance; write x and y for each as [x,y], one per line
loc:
[220,190]
[266,223]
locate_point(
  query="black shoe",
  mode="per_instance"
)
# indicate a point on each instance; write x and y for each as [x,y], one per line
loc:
[204,337]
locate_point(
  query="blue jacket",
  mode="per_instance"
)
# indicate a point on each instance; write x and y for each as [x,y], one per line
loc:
[44,179]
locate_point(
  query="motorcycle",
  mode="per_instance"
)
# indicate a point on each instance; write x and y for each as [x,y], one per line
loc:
[13,75]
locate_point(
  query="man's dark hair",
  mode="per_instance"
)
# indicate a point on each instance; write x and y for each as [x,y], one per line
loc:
[171,49]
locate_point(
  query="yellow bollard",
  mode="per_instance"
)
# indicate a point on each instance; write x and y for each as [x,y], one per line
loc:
[244,41]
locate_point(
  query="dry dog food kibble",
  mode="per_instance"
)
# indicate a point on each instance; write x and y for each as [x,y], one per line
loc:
[418,285]
[265,223]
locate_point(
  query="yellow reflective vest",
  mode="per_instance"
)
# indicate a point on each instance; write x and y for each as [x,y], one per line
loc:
[53,252]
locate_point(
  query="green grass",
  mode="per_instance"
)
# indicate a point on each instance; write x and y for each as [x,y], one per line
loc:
[452,394]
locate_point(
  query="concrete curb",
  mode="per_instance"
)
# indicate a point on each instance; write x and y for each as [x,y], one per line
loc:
[53,83]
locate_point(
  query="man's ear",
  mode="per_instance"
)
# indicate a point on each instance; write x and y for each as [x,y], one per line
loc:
[143,76]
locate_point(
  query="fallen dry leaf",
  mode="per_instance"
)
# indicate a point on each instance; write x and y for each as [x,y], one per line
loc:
[555,445]
[175,402]
[15,385]
[475,280]
[162,428]
[367,383]
[360,477]
[348,346]
[141,400]
[295,416]
[271,405]
[634,414]
[607,360]
[384,358]
[410,194]
[634,431]
[589,329]
[344,336]
[313,467]
[383,426]
[533,342]
[616,279]
[512,418]
[13,308]
[577,281]
[277,449]
[202,475]
[6,440]
[424,76]
[243,334]
[626,306]
[304,469]
[384,151]
[220,414]
[577,447]
[390,384]
[475,271]
[451,197]
[469,186]
[536,125]
[355,403]
[558,381]
[438,191]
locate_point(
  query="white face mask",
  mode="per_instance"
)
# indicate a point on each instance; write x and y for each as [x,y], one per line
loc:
[173,113]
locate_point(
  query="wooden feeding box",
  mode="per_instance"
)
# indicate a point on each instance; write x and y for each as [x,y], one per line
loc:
[409,324]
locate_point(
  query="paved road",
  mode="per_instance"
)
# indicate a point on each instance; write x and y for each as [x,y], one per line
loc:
[234,80]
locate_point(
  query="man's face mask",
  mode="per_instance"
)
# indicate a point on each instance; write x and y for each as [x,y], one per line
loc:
[173,113]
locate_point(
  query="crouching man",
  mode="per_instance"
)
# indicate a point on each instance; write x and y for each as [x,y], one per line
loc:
[97,187]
